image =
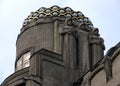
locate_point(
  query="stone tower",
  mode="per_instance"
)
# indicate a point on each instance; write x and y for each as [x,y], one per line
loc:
[55,47]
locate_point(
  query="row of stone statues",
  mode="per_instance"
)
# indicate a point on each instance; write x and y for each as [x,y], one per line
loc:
[72,26]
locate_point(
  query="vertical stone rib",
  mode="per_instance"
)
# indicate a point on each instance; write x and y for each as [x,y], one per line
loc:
[97,49]
[85,52]
[57,38]
[94,53]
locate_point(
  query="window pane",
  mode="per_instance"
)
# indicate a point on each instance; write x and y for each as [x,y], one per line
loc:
[26,64]
[23,61]
[19,64]
[26,58]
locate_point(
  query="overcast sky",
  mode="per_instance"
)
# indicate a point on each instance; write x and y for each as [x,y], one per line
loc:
[105,14]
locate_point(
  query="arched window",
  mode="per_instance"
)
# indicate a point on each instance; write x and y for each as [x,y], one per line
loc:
[23,61]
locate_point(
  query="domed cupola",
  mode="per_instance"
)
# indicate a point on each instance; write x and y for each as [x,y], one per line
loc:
[47,28]
[56,11]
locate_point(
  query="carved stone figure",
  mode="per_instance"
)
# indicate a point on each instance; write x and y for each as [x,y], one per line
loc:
[70,43]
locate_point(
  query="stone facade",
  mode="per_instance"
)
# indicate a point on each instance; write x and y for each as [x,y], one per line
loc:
[107,71]
[60,47]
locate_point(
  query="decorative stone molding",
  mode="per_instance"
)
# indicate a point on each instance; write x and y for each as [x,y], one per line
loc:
[34,78]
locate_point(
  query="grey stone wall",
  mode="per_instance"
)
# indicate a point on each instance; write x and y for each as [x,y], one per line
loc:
[80,47]
[107,71]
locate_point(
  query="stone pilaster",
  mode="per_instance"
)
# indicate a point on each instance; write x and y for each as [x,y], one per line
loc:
[97,48]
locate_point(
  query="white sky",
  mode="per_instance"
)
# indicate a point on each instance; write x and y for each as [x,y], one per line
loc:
[104,14]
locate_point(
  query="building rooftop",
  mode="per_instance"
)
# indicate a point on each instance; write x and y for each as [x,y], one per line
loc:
[56,11]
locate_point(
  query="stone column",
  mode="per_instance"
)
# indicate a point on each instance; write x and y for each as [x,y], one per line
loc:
[83,51]
[69,51]
[57,38]
[97,48]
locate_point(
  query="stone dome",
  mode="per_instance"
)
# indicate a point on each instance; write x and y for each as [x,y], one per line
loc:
[56,11]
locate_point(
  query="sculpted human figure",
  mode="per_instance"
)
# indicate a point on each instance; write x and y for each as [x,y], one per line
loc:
[70,33]
[69,43]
